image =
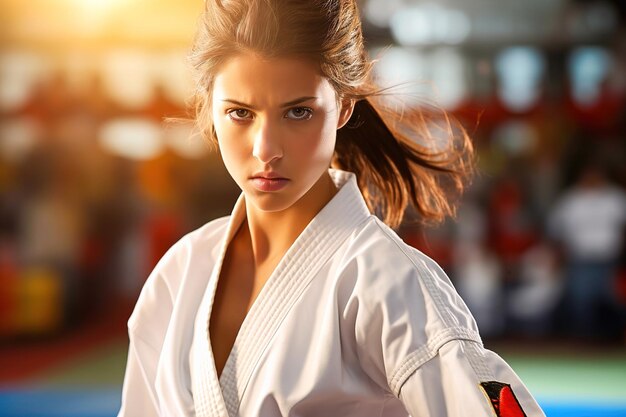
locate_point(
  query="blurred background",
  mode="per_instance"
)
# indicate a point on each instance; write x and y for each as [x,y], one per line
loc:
[95,186]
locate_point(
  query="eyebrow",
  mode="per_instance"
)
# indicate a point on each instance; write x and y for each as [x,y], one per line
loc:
[287,104]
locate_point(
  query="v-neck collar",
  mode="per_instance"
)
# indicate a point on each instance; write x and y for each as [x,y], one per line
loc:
[312,248]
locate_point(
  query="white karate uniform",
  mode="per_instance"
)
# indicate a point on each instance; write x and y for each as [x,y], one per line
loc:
[352,322]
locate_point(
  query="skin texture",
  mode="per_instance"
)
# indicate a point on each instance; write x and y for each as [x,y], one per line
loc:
[259,133]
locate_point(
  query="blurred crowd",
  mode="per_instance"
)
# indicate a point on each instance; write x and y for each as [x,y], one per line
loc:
[94,190]
[527,271]
[82,222]
[538,249]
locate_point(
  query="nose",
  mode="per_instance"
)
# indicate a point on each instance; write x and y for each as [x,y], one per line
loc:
[266,146]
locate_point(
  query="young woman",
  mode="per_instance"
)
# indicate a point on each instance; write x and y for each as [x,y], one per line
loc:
[302,302]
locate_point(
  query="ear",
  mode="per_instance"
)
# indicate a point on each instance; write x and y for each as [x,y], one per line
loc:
[345,112]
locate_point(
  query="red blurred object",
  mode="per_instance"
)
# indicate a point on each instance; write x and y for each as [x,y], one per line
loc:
[8,285]
[163,229]
[620,285]
[512,232]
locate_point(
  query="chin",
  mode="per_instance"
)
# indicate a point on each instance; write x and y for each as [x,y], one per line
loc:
[271,202]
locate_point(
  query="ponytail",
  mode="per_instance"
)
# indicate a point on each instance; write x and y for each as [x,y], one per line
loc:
[398,160]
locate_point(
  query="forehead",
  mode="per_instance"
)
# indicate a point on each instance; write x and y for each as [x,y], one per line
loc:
[251,77]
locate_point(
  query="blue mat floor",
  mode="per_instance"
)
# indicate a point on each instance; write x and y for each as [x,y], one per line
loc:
[106,402]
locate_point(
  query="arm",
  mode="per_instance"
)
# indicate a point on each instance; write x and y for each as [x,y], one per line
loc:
[146,330]
[417,339]
[464,379]
[138,394]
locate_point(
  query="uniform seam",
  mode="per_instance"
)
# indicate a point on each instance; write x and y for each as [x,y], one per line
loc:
[447,318]
[417,358]
[482,371]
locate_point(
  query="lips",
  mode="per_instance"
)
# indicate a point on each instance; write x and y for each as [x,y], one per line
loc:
[269,175]
[268,181]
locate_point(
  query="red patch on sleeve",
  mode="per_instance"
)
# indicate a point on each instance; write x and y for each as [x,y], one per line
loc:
[503,400]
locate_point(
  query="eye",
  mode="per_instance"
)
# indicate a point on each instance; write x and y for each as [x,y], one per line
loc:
[299,113]
[239,115]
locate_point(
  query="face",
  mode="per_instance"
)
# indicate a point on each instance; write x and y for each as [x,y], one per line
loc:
[276,121]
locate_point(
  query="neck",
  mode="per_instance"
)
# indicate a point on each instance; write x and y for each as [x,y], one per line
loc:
[272,233]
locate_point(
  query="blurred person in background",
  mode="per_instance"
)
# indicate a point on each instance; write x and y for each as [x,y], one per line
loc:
[51,221]
[477,271]
[532,304]
[303,302]
[588,223]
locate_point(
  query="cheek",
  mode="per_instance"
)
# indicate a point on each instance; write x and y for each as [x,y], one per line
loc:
[329,135]
[319,140]
[231,151]
[233,156]
[311,146]
[229,138]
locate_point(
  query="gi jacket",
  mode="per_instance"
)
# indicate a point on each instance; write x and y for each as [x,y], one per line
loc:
[352,322]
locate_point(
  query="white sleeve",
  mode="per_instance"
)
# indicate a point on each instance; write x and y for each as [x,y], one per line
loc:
[146,329]
[464,379]
[138,394]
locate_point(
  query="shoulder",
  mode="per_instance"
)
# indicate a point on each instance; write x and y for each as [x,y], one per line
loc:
[162,286]
[386,260]
[200,239]
[403,304]
[207,233]
[392,275]
[204,239]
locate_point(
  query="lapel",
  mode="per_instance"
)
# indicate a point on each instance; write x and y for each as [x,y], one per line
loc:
[207,393]
[315,245]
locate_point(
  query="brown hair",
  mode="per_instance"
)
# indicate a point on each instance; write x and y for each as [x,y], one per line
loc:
[397,157]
